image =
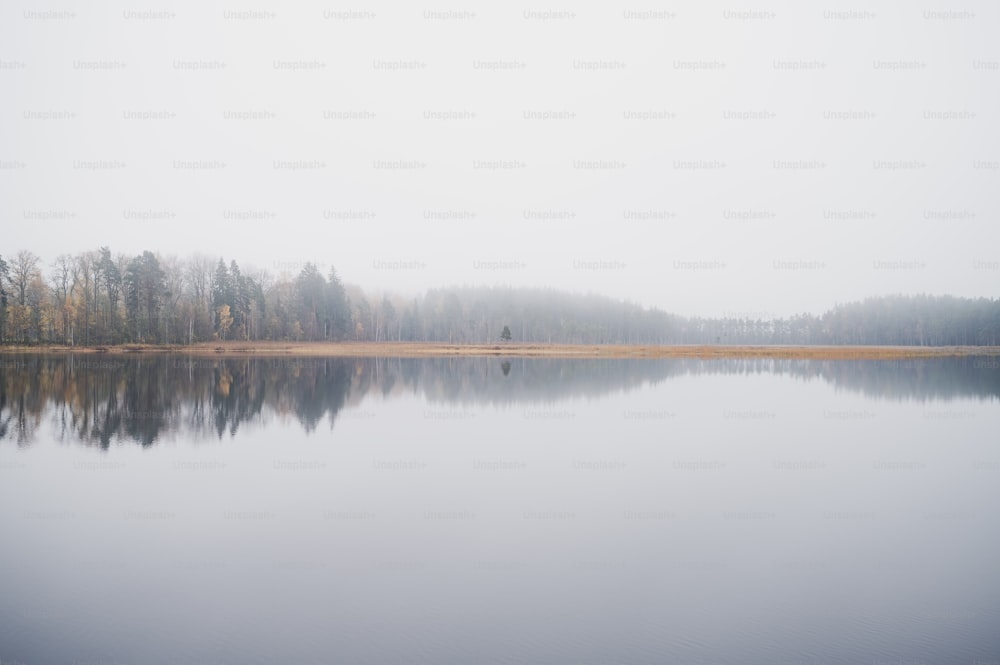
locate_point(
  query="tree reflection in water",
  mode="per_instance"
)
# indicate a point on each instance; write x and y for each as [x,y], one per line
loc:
[145,399]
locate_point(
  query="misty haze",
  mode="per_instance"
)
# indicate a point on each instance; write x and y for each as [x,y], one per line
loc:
[576,333]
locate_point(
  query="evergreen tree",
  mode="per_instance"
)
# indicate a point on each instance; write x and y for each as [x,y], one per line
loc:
[144,296]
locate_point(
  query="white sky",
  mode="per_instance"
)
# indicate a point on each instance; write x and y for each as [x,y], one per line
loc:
[839,229]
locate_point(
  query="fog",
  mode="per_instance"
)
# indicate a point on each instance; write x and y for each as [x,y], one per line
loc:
[701,158]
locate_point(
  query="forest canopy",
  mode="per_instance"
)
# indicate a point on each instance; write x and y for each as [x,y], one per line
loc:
[100,298]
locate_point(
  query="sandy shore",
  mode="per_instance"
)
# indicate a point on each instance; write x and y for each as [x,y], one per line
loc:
[420,350]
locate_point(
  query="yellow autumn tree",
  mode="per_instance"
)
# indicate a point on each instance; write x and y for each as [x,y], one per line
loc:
[225,320]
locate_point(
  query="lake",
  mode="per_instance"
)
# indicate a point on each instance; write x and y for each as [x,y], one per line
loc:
[190,510]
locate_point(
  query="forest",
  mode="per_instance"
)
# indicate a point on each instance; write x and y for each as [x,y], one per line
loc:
[98,298]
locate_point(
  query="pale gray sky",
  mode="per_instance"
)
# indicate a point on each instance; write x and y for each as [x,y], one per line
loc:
[708,158]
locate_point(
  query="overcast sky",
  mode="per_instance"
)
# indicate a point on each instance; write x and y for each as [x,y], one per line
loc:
[708,158]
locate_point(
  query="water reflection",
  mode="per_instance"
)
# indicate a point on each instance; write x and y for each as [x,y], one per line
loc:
[97,400]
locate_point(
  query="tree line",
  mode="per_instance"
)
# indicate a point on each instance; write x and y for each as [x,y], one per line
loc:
[100,298]
[897,320]
[97,298]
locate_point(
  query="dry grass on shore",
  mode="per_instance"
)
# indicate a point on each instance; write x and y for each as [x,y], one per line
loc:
[420,350]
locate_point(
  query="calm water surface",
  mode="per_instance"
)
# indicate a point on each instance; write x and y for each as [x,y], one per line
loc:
[197,510]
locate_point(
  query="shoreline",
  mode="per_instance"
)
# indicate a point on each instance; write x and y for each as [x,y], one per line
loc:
[437,350]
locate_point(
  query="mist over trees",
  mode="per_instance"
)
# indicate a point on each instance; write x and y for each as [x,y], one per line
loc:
[919,320]
[101,298]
